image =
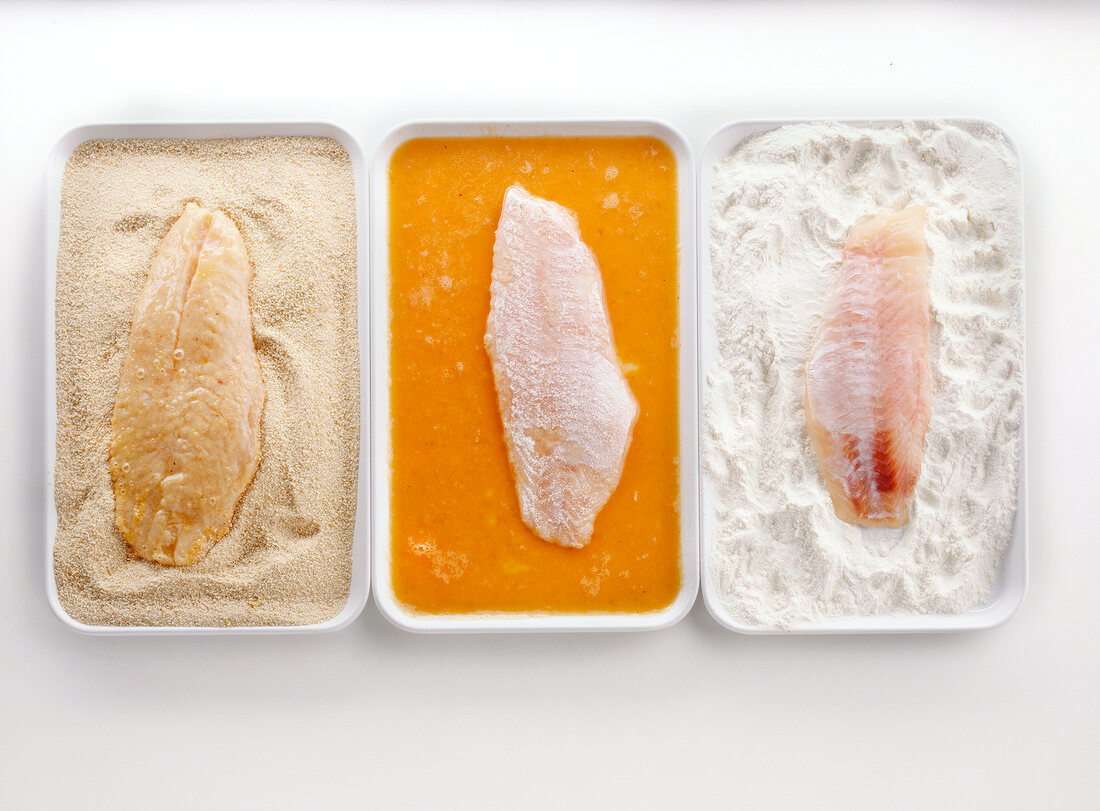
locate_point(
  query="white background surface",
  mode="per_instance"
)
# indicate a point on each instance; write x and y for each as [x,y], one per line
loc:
[1008,718]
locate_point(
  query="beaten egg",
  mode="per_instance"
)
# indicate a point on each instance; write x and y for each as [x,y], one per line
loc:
[458,542]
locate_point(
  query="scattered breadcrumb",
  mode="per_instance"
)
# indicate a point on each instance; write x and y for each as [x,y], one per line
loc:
[287,558]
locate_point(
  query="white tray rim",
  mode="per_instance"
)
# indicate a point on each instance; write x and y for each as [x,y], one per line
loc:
[1012,583]
[55,170]
[512,622]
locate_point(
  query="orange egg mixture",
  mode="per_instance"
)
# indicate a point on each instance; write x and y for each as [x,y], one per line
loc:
[458,541]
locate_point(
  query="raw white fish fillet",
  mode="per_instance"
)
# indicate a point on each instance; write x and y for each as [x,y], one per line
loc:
[185,437]
[868,401]
[568,412]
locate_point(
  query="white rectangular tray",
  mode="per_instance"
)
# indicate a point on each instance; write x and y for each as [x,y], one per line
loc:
[393,609]
[55,171]
[1007,591]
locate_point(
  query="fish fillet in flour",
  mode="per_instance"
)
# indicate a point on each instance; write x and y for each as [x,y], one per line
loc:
[186,430]
[867,389]
[568,412]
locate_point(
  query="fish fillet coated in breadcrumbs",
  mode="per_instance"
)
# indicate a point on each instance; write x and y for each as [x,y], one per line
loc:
[567,410]
[868,400]
[186,428]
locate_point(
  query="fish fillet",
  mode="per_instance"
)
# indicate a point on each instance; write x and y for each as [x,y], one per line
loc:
[567,410]
[185,437]
[867,389]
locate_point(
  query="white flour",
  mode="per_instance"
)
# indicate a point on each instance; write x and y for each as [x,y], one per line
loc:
[782,205]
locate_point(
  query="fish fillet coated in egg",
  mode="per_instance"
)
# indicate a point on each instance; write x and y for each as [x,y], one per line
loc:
[868,399]
[567,410]
[185,439]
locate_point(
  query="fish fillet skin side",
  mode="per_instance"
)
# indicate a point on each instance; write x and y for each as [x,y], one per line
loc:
[185,439]
[868,400]
[567,410]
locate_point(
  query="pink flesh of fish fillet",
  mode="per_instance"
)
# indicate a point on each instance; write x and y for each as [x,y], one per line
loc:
[568,412]
[867,388]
